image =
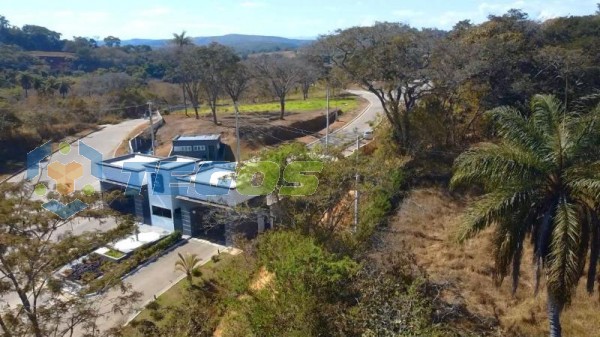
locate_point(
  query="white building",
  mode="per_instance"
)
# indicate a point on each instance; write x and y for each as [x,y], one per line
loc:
[183,193]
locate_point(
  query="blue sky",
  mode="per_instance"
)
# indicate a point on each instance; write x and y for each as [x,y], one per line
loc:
[299,18]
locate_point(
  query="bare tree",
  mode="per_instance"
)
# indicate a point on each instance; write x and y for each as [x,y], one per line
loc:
[235,81]
[390,60]
[216,59]
[308,76]
[190,72]
[280,73]
[181,41]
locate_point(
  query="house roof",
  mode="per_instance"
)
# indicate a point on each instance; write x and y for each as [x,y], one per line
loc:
[132,162]
[214,136]
[171,162]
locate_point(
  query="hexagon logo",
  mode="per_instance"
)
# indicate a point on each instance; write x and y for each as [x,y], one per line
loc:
[64,175]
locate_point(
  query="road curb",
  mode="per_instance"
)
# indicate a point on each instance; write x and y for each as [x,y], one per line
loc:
[345,126]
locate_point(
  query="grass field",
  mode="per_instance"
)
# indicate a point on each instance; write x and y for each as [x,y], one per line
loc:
[292,105]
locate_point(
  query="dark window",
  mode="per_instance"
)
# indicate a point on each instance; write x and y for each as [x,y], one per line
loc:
[158,185]
[159,211]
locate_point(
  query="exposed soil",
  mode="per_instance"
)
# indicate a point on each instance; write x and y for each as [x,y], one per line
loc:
[427,222]
[257,131]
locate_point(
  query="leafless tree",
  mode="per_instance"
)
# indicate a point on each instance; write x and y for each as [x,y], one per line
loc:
[390,60]
[281,73]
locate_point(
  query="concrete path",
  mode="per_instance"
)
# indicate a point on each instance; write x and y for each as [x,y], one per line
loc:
[347,134]
[153,280]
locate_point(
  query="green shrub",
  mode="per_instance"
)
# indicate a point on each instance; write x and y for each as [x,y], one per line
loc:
[153,305]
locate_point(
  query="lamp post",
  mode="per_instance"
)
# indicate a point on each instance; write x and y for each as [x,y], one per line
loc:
[151,127]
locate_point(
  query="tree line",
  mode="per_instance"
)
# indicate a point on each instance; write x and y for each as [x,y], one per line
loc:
[457,75]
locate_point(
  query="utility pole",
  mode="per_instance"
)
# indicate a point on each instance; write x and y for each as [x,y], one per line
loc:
[237,132]
[151,127]
[327,118]
[356,185]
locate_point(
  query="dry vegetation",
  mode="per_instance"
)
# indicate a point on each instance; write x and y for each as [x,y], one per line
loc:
[426,223]
[256,129]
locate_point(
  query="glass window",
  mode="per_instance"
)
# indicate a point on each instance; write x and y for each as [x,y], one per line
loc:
[159,211]
[158,184]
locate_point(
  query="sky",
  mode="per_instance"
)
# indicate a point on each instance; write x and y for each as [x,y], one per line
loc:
[159,19]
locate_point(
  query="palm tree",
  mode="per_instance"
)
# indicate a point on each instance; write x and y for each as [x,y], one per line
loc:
[50,86]
[187,264]
[64,86]
[26,82]
[541,180]
[37,83]
[181,40]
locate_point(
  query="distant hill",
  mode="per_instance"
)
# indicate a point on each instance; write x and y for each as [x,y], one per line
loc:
[245,44]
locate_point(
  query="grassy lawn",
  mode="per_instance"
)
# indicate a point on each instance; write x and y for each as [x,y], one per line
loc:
[114,253]
[291,105]
[230,270]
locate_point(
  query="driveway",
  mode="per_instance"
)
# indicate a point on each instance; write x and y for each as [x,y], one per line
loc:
[152,280]
[347,134]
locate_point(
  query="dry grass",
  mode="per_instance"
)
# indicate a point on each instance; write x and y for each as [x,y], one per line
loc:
[123,148]
[427,223]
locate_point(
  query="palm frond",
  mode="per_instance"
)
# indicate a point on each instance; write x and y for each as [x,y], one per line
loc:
[493,207]
[497,165]
[594,252]
[584,187]
[563,264]
[516,129]
[508,242]
[547,114]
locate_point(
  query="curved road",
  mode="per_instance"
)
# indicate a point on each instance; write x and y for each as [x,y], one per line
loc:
[347,134]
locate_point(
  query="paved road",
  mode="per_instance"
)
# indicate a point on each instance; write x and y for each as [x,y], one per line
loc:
[347,134]
[104,141]
[152,280]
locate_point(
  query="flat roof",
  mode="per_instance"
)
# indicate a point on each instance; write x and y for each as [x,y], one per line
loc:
[171,162]
[213,136]
[132,162]
[219,174]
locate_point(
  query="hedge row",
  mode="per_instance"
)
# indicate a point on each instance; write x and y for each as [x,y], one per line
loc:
[139,257]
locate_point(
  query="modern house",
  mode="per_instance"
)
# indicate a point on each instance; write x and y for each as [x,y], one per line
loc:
[198,198]
[206,147]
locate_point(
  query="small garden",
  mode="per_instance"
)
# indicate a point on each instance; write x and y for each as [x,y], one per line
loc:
[104,267]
